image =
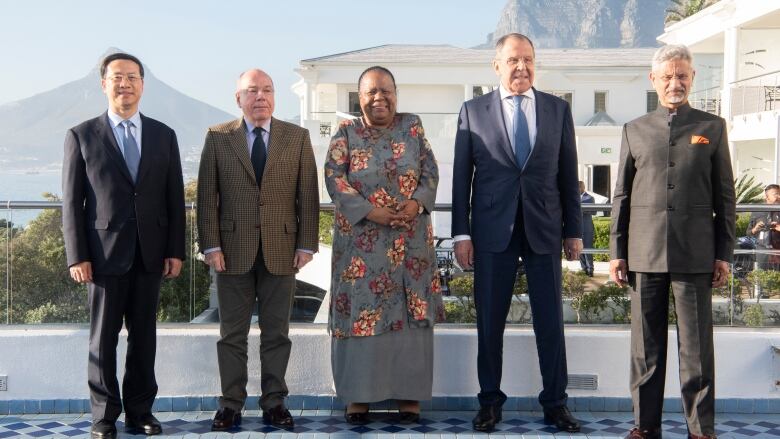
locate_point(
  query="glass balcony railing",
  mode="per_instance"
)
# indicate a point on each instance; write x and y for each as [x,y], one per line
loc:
[706,100]
[756,94]
[35,286]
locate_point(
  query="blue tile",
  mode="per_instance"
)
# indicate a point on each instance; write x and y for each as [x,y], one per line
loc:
[672,405]
[295,402]
[611,404]
[732,405]
[309,403]
[439,403]
[745,406]
[774,405]
[426,405]
[208,403]
[469,403]
[451,403]
[162,404]
[597,404]
[3,407]
[761,406]
[338,404]
[252,403]
[720,406]
[61,406]
[193,403]
[179,404]
[75,406]
[16,407]
[324,402]
[625,405]
[32,406]
[47,406]
[579,404]
[527,404]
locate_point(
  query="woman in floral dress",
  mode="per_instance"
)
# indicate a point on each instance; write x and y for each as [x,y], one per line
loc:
[385,290]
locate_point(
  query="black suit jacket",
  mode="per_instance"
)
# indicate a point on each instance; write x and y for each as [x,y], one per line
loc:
[105,215]
[488,184]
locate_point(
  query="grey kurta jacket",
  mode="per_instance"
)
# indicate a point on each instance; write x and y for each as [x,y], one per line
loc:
[674,204]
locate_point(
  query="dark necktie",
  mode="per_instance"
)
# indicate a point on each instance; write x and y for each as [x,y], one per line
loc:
[132,156]
[522,139]
[258,154]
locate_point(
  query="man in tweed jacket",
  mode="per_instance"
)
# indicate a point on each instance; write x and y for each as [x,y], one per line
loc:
[258,212]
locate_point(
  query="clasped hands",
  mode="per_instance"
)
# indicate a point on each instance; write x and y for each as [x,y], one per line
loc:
[399,218]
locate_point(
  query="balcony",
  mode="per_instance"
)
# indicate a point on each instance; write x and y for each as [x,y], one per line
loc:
[44,347]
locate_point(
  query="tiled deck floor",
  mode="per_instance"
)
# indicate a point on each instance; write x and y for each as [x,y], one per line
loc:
[326,424]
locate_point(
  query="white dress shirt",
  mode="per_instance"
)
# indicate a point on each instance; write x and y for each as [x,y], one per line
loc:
[119,130]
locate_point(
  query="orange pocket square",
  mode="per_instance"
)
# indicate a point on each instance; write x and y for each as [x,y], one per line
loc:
[699,140]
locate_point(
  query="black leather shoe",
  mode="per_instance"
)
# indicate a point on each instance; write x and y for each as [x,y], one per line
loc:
[487,418]
[357,418]
[408,418]
[562,418]
[145,424]
[278,416]
[225,419]
[103,429]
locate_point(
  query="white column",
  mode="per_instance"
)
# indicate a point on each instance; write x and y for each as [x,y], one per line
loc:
[730,69]
[776,167]
[468,92]
[305,103]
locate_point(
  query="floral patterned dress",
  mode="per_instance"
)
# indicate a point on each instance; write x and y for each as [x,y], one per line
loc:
[383,279]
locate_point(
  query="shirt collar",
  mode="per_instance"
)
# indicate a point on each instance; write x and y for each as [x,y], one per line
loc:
[504,93]
[266,125]
[117,119]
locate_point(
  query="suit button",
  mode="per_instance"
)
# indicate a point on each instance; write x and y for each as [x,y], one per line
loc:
[671,164]
[135,194]
[670,208]
[672,143]
[261,203]
[670,186]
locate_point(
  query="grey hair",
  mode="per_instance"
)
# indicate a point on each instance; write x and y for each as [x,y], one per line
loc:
[671,51]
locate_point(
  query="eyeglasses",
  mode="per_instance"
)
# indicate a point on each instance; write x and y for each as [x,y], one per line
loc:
[253,92]
[131,78]
[513,62]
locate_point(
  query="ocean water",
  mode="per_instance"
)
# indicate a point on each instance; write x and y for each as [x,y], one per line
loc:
[24,186]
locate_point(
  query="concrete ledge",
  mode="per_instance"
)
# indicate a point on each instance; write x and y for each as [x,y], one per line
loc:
[438,403]
[46,367]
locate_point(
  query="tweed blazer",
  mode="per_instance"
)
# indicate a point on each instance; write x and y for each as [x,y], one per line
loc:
[237,215]
[674,205]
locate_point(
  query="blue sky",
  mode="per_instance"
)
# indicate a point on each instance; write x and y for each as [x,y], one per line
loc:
[200,47]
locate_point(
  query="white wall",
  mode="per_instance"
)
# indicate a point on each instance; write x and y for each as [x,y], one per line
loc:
[48,363]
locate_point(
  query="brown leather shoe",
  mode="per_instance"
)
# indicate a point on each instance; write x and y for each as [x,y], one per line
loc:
[706,436]
[636,433]
[225,419]
[278,416]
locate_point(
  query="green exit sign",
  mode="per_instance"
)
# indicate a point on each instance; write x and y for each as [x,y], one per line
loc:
[606,150]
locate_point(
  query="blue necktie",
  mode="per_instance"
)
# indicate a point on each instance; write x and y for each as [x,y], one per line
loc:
[258,154]
[522,139]
[132,156]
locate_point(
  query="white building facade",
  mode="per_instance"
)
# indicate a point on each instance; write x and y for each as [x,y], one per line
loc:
[433,81]
[736,48]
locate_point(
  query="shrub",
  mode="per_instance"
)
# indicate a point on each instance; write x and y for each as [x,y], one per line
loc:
[754,315]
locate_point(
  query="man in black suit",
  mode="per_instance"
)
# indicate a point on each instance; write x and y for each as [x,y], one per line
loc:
[514,194]
[586,260]
[123,224]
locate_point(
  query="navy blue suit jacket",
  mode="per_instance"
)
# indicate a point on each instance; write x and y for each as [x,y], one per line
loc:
[100,198]
[488,184]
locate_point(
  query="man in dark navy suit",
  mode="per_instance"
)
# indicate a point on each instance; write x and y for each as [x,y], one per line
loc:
[123,224]
[514,195]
